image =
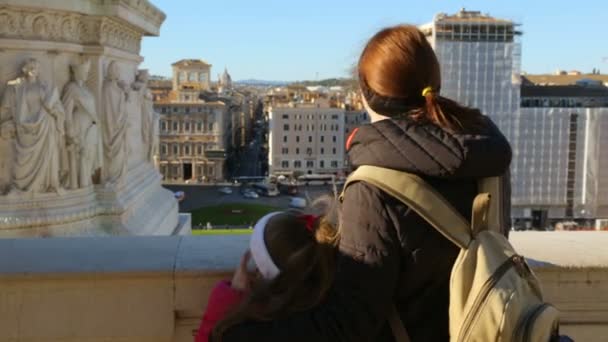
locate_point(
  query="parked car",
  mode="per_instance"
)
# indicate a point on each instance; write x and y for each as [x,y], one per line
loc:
[225,190]
[250,194]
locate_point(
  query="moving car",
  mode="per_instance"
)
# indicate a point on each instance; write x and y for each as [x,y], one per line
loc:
[225,190]
[297,202]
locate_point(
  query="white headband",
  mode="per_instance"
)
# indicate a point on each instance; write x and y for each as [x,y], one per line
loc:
[259,251]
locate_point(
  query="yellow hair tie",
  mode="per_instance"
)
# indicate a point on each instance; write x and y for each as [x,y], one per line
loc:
[426,90]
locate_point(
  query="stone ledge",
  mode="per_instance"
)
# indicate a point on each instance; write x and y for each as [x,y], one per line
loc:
[155,288]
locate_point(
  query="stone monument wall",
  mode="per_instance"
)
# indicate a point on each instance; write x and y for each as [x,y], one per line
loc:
[77,125]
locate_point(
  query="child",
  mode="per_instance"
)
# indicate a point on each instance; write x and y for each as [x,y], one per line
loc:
[294,260]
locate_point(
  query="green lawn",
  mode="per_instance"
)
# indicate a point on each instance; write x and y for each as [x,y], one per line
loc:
[233,214]
[221,231]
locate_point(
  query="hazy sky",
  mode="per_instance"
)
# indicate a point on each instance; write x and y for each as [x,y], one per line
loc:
[296,40]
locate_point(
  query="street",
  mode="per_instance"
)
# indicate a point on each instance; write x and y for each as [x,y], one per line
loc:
[198,196]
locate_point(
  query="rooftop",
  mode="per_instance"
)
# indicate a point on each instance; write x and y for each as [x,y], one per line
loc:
[464,16]
[191,62]
[568,79]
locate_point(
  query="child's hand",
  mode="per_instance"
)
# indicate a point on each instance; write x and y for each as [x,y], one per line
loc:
[241,278]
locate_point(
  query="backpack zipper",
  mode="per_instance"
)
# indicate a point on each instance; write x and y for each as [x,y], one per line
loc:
[485,291]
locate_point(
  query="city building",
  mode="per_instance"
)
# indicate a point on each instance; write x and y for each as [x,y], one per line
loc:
[559,162]
[305,138]
[555,123]
[195,133]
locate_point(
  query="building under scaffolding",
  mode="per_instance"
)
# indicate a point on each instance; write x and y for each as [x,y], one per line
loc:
[556,132]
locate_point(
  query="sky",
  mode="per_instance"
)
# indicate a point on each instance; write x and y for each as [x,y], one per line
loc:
[288,40]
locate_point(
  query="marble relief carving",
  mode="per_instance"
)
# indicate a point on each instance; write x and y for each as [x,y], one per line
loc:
[114,127]
[85,149]
[32,117]
[71,28]
[149,118]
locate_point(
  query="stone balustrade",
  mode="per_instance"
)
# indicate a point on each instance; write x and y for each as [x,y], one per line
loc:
[155,288]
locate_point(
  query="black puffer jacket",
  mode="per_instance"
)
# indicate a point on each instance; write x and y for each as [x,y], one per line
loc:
[388,253]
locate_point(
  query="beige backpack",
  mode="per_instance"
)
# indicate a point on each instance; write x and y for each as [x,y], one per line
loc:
[494,296]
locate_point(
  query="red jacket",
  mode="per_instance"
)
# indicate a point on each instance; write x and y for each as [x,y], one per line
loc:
[222,299]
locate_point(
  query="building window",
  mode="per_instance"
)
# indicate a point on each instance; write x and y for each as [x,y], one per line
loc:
[297,138]
[199,126]
[192,77]
[297,164]
[309,151]
[334,164]
[285,164]
[174,109]
[163,110]
[321,164]
[310,164]
[163,126]
[187,127]
[334,138]
[199,150]
[322,150]
[284,138]
[163,149]
[175,150]
[285,116]
[284,150]
[322,139]
[297,150]
[333,150]
[334,117]
[211,127]
[309,138]
[187,150]
[175,126]
[286,127]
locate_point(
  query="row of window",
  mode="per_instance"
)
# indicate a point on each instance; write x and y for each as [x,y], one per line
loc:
[192,76]
[285,150]
[187,149]
[311,116]
[183,109]
[321,138]
[311,127]
[186,127]
[297,164]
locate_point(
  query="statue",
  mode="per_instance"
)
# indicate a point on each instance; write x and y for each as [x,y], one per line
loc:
[149,118]
[114,127]
[34,118]
[84,140]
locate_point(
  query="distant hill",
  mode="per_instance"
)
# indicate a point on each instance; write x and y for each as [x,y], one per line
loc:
[262,82]
[330,82]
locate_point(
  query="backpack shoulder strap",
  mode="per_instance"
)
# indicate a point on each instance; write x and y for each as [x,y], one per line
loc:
[420,197]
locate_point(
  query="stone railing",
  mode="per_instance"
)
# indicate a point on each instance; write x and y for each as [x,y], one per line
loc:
[155,288]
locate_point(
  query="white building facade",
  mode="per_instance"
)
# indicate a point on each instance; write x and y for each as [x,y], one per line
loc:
[305,139]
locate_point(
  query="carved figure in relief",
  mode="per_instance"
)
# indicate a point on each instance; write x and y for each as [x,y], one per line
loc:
[149,118]
[114,127]
[82,129]
[32,116]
